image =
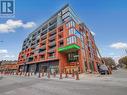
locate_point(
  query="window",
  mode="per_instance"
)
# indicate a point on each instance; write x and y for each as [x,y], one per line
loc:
[42,57]
[36,51]
[67,18]
[70,24]
[71,57]
[78,34]
[51,55]
[71,40]
[65,10]
[65,15]
[71,31]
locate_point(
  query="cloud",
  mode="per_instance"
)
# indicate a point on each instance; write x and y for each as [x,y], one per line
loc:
[10,25]
[9,56]
[119,45]
[5,55]
[3,51]
[29,25]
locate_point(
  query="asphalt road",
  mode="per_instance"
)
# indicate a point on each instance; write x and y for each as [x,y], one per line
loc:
[115,84]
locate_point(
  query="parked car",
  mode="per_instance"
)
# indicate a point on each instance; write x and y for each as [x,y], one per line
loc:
[103,69]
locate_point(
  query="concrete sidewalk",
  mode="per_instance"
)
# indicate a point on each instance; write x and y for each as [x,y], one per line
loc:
[115,84]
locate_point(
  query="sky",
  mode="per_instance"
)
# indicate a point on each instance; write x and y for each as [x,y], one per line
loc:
[106,18]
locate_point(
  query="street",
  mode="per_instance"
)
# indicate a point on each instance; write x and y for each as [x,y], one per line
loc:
[115,84]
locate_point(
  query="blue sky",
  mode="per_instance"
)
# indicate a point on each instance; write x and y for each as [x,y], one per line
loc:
[106,18]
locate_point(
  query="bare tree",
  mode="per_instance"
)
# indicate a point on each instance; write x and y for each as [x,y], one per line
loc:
[109,61]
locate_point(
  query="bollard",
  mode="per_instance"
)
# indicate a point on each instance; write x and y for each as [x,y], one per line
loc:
[25,73]
[48,74]
[73,74]
[61,76]
[1,73]
[77,75]
[66,76]
[28,74]
[31,73]
[54,73]
[20,73]
[13,73]
[16,73]
[42,73]
[39,75]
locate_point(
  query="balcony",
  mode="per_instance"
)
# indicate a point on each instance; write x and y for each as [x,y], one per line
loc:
[69,48]
[51,55]
[53,21]
[52,33]
[42,49]
[43,36]
[43,43]
[30,59]
[51,50]
[60,35]
[51,44]
[52,38]
[44,27]
[52,27]
[61,43]
[44,32]
[60,29]
[42,58]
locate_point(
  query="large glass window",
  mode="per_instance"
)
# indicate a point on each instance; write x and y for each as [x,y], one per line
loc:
[71,57]
[65,15]
[65,10]
[71,31]
[71,40]
[70,24]
[74,31]
[77,34]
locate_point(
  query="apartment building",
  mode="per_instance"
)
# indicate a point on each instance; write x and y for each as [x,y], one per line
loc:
[8,66]
[62,43]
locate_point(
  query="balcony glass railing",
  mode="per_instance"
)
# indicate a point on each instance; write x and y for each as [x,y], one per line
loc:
[51,57]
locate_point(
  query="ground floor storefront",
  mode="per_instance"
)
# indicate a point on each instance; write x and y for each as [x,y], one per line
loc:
[47,66]
[55,66]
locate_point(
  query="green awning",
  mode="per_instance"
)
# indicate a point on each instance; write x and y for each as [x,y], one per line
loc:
[66,48]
